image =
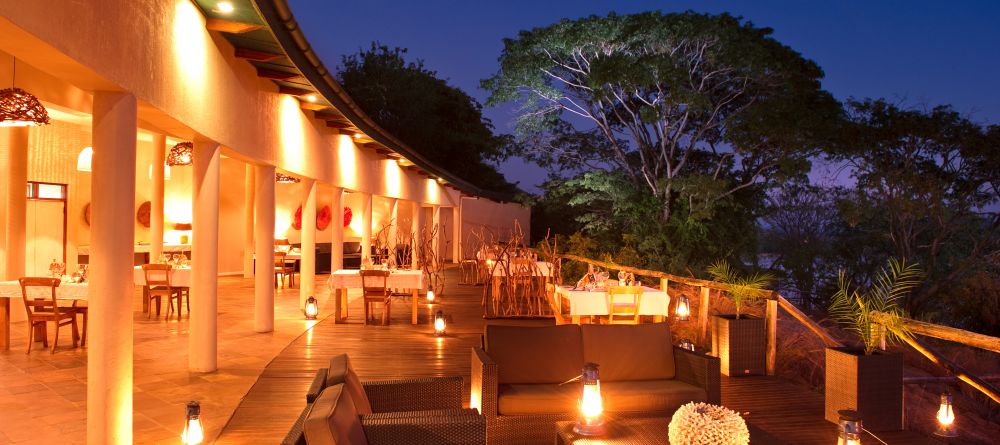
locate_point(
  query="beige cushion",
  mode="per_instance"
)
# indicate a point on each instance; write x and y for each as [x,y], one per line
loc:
[340,371]
[333,420]
[551,354]
[538,399]
[649,396]
[629,352]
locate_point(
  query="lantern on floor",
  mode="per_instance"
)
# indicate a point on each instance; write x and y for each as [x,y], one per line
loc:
[591,421]
[430,297]
[312,308]
[946,417]
[683,310]
[193,431]
[849,428]
[439,323]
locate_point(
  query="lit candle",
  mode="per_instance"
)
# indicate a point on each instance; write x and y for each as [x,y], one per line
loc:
[439,323]
[193,432]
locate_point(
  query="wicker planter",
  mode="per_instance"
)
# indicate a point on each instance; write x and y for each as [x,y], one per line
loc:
[740,344]
[872,385]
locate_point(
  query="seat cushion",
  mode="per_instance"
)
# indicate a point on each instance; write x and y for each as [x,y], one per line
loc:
[649,395]
[333,420]
[340,371]
[629,352]
[538,399]
[551,354]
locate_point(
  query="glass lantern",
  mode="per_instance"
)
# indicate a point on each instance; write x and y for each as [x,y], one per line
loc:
[312,308]
[683,310]
[591,421]
[946,417]
[849,428]
[439,324]
[193,431]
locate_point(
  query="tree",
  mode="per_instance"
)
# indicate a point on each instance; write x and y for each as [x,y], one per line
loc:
[692,108]
[441,122]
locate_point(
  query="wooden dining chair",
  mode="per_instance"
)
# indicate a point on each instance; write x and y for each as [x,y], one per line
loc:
[42,310]
[375,288]
[283,269]
[623,304]
[158,286]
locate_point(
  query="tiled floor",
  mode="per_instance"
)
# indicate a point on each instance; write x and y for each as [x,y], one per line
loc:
[43,396]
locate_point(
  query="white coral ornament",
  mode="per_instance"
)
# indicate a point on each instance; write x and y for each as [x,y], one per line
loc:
[707,424]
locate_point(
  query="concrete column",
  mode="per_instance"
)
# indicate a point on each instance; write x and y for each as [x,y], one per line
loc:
[203,342]
[418,233]
[263,284]
[307,270]
[366,228]
[456,232]
[337,230]
[156,202]
[437,232]
[393,232]
[13,202]
[112,232]
[248,227]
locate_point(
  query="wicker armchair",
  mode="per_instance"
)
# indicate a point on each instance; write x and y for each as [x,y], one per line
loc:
[695,377]
[421,411]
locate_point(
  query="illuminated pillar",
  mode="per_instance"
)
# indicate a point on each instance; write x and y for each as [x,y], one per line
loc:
[112,235]
[263,283]
[456,232]
[393,227]
[13,202]
[366,228]
[436,233]
[307,268]
[418,233]
[203,339]
[337,231]
[156,202]
[248,227]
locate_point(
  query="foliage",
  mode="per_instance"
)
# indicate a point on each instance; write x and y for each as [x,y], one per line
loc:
[862,310]
[441,122]
[742,289]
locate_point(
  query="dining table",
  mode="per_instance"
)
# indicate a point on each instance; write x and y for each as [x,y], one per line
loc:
[584,302]
[180,276]
[342,280]
[67,291]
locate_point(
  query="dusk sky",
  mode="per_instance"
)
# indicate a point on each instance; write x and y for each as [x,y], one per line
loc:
[914,52]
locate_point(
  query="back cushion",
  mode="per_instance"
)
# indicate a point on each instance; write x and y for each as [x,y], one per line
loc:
[340,371]
[333,420]
[630,352]
[552,354]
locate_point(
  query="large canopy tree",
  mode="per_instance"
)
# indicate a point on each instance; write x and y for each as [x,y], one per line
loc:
[692,108]
[440,121]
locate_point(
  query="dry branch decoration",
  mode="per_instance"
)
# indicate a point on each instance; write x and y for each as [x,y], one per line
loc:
[707,424]
[515,287]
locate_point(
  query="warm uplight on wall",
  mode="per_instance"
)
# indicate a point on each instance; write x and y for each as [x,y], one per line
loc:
[193,433]
[224,7]
[84,160]
[190,49]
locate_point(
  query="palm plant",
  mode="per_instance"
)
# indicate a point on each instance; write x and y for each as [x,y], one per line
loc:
[874,314]
[742,289]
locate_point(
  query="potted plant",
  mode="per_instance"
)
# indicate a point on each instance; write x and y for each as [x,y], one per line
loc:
[864,377]
[740,340]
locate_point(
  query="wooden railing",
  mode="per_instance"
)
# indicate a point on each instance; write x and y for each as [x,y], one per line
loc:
[775,300]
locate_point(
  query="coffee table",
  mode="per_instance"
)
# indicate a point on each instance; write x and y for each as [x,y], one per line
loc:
[632,431]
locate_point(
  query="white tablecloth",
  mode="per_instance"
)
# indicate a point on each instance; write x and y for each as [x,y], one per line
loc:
[582,302]
[179,276]
[400,279]
[542,269]
[65,291]
[293,255]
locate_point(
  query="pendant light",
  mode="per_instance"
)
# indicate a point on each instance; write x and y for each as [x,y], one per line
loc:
[285,179]
[180,154]
[19,108]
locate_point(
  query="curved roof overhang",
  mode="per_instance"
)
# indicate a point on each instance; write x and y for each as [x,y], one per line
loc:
[266,35]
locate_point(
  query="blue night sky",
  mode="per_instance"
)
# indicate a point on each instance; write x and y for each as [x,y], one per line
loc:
[914,52]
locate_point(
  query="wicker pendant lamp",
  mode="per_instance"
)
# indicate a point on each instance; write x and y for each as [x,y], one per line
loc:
[285,179]
[19,108]
[180,154]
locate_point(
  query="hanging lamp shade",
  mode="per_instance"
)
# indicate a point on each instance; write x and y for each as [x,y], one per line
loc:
[180,154]
[285,179]
[83,161]
[19,108]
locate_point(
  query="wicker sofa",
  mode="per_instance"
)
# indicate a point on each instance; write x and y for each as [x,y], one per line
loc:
[516,380]
[341,410]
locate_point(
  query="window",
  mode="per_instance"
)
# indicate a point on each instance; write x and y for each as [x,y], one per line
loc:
[42,190]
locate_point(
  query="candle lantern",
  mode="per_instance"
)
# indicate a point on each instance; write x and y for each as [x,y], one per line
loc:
[312,308]
[439,323]
[946,417]
[430,297]
[591,421]
[849,428]
[193,431]
[683,310]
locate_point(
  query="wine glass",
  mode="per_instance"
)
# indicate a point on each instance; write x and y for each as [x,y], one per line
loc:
[174,259]
[621,277]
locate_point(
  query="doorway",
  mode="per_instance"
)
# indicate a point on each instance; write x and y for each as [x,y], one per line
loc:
[45,227]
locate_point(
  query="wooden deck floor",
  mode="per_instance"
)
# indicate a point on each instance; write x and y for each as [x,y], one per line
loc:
[783,410]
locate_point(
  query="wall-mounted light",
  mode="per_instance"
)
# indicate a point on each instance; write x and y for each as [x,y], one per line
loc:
[85,159]
[683,310]
[180,154]
[193,433]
